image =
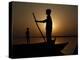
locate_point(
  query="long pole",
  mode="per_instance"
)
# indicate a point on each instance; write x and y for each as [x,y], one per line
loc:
[38,27]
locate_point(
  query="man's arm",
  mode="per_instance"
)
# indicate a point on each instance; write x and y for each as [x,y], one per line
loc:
[41,21]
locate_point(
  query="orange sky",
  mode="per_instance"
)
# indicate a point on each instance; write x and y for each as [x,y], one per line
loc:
[64,19]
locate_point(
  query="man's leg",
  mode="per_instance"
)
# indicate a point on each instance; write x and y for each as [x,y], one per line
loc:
[48,36]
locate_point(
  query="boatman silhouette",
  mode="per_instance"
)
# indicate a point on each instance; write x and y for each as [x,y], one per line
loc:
[48,22]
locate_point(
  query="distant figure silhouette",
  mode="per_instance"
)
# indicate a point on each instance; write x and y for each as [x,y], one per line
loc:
[48,22]
[28,36]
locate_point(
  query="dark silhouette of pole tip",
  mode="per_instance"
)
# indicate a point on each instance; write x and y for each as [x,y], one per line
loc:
[28,35]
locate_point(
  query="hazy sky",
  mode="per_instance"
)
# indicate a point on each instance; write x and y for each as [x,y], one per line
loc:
[64,19]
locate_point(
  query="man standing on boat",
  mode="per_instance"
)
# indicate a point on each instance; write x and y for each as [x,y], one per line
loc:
[28,36]
[48,22]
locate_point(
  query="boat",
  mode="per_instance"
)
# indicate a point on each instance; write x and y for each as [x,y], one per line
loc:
[38,50]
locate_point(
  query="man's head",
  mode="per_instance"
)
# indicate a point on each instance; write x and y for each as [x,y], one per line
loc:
[27,28]
[48,11]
